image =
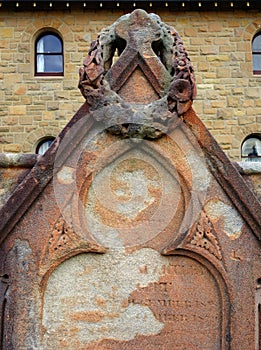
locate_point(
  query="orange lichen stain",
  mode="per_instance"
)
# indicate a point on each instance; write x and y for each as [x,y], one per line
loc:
[143,269]
[88,316]
[94,316]
[100,302]
[96,346]
[65,336]
[115,219]
[87,270]
[113,315]
[125,303]
[110,218]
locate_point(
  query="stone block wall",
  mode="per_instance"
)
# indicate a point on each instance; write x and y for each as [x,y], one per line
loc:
[219,45]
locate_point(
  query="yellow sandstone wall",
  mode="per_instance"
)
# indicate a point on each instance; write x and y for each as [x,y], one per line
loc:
[219,45]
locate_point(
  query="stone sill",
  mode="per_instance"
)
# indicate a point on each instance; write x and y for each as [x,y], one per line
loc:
[19,160]
[248,168]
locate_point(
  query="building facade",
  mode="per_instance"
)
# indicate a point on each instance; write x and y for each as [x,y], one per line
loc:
[224,45]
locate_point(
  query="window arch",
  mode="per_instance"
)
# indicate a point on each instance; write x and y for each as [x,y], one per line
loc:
[49,54]
[251,148]
[256,53]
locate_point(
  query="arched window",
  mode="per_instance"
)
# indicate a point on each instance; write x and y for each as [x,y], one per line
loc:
[44,144]
[256,53]
[49,54]
[251,148]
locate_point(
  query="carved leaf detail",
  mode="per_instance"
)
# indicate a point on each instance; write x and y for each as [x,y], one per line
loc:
[61,236]
[168,71]
[204,237]
[63,241]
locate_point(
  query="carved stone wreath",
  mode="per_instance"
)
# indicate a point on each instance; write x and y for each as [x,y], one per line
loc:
[144,41]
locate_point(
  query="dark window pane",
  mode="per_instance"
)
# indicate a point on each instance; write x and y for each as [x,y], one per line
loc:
[49,44]
[256,45]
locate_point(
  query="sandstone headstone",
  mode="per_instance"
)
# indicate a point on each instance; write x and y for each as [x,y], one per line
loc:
[134,230]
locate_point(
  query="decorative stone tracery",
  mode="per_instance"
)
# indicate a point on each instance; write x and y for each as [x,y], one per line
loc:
[203,236]
[63,241]
[61,235]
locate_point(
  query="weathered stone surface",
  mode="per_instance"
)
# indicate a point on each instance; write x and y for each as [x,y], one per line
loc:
[130,240]
[151,55]
[13,169]
[251,173]
[129,200]
[133,300]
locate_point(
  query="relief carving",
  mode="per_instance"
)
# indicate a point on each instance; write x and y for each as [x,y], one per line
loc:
[143,42]
[203,236]
[63,242]
[61,236]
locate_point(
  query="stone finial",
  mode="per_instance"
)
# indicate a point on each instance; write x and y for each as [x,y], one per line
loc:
[148,87]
